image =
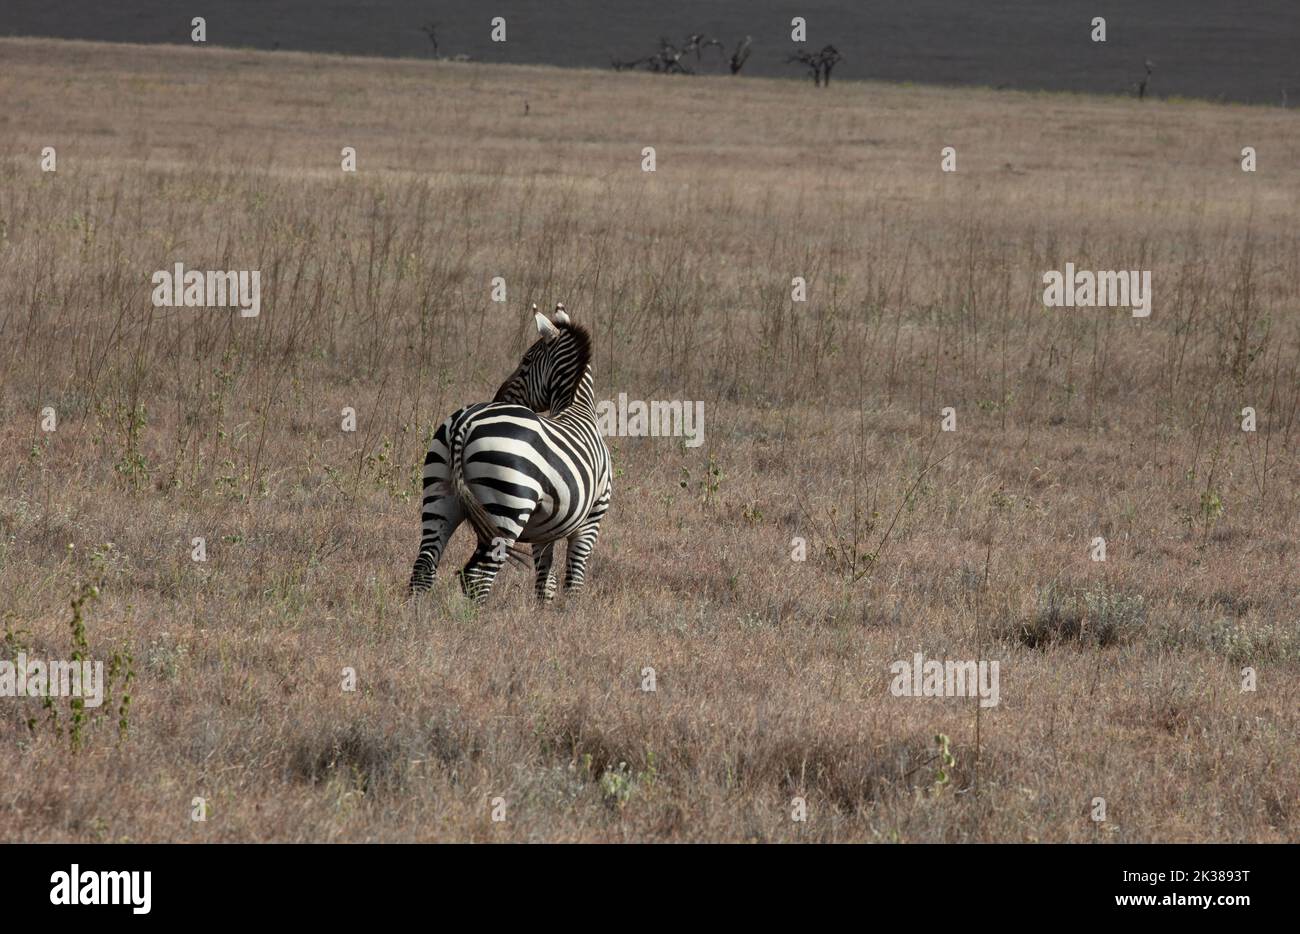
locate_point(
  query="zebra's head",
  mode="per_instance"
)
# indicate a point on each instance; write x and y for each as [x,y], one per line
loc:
[554,372]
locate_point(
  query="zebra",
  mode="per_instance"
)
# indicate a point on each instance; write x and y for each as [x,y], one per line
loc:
[518,476]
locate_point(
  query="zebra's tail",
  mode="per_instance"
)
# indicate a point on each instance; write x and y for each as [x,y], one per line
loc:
[479,518]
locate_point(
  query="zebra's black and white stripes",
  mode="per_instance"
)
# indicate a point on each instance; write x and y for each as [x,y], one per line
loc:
[518,476]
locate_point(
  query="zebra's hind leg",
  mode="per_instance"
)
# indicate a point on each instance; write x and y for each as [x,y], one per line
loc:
[508,522]
[441,518]
[543,559]
[480,572]
[441,512]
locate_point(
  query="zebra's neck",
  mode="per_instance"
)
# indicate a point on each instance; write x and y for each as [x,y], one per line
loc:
[580,404]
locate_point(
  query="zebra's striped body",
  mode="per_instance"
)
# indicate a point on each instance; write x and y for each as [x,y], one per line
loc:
[518,476]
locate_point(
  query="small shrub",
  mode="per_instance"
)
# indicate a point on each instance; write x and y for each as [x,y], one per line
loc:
[1097,616]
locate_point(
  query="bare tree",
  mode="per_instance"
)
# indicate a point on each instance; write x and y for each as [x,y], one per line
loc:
[669,58]
[830,57]
[431,30]
[819,64]
[698,42]
[1142,85]
[741,55]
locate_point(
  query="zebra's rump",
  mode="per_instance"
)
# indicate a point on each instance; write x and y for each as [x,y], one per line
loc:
[537,478]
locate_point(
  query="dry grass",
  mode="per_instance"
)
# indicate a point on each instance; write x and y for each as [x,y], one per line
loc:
[1119,679]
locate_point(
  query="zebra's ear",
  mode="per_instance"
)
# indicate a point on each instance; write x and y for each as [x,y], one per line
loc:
[548,331]
[561,316]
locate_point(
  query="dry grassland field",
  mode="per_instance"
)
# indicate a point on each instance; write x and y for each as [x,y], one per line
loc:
[772,570]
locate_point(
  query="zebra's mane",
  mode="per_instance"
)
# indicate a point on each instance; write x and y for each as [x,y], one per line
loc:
[581,346]
[581,360]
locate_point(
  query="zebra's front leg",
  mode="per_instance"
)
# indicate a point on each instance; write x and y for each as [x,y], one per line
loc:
[543,560]
[581,544]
